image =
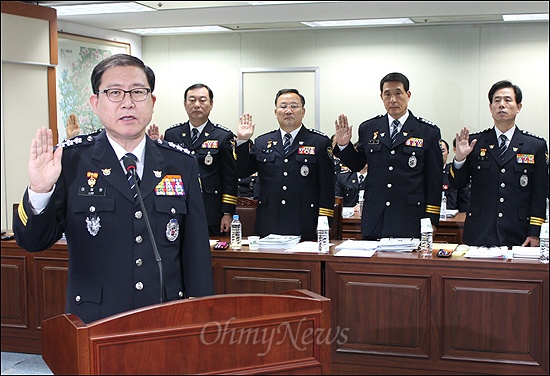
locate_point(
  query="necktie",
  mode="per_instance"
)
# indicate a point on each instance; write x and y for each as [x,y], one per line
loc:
[361,178]
[130,178]
[195,135]
[286,144]
[502,146]
[395,128]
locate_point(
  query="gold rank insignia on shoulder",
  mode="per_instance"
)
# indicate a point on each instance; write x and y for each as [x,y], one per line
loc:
[525,158]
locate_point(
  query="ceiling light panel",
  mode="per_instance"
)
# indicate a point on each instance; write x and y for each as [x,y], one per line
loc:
[371,22]
[85,9]
[177,30]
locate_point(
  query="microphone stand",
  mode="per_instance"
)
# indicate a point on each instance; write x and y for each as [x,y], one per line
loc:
[150,231]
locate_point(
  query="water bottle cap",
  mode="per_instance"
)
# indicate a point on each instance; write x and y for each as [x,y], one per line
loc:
[235,216]
[322,223]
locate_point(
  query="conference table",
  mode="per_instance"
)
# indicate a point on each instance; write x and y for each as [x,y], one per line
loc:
[392,313]
[449,230]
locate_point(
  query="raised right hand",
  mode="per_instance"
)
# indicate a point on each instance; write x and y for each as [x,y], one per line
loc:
[44,163]
[463,145]
[343,130]
[154,132]
[246,127]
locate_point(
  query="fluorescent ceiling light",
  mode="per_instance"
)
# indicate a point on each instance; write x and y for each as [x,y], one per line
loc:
[77,10]
[283,2]
[525,17]
[372,22]
[177,30]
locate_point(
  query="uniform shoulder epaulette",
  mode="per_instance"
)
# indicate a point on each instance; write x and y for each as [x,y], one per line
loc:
[426,121]
[86,139]
[176,125]
[531,134]
[313,130]
[173,146]
[222,127]
[479,132]
[374,118]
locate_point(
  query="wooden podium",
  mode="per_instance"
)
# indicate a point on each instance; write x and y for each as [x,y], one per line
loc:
[236,333]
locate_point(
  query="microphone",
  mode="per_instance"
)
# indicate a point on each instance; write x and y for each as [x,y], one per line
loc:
[130,166]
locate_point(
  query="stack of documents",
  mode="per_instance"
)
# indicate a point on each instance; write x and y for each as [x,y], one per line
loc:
[451,213]
[525,252]
[279,241]
[398,244]
[487,252]
[357,248]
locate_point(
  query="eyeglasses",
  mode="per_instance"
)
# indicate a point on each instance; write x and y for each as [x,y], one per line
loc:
[292,106]
[117,95]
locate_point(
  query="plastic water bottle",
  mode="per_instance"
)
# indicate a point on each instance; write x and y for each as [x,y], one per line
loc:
[361,201]
[426,237]
[323,234]
[547,219]
[443,211]
[236,232]
[544,243]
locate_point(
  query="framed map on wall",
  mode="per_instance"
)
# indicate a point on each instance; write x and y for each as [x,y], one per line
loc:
[78,55]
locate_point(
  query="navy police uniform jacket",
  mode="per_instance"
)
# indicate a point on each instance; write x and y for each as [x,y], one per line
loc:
[507,197]
[112,266]
[404,181]
[294,189]
[215,151]
[456,199]
[348,187]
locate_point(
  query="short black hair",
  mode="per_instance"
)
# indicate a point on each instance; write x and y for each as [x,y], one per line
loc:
[504,84]
[120,60]
[395,76]
[446,144]
[199,86]
[293,91]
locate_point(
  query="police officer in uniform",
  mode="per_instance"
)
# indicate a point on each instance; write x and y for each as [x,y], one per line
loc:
[405,175]
[296,186]
[349,183]
[508,171]
[214,147]
[81,189]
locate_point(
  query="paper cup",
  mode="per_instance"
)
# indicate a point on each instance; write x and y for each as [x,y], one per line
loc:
[253,243]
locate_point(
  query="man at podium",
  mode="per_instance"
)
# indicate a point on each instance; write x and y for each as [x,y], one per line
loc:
[100,191]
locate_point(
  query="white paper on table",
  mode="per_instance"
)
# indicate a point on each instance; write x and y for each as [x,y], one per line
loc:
[307,246]
[358,244]
[356,252]
[484,252]
[525,252]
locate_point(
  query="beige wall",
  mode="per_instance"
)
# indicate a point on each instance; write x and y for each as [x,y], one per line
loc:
[24,101]
[451,69]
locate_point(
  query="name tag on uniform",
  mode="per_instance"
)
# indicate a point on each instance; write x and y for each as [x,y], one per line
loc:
[416,142]
[525,158]
[210,144]
[309,150]
[170,185]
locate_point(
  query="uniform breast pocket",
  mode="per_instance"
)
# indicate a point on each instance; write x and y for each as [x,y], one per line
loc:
[373,154]
[208,157]
[169,215]
[306,159]
[92,218]
[266,158]
[478,171]
[414,156]
[523,172]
